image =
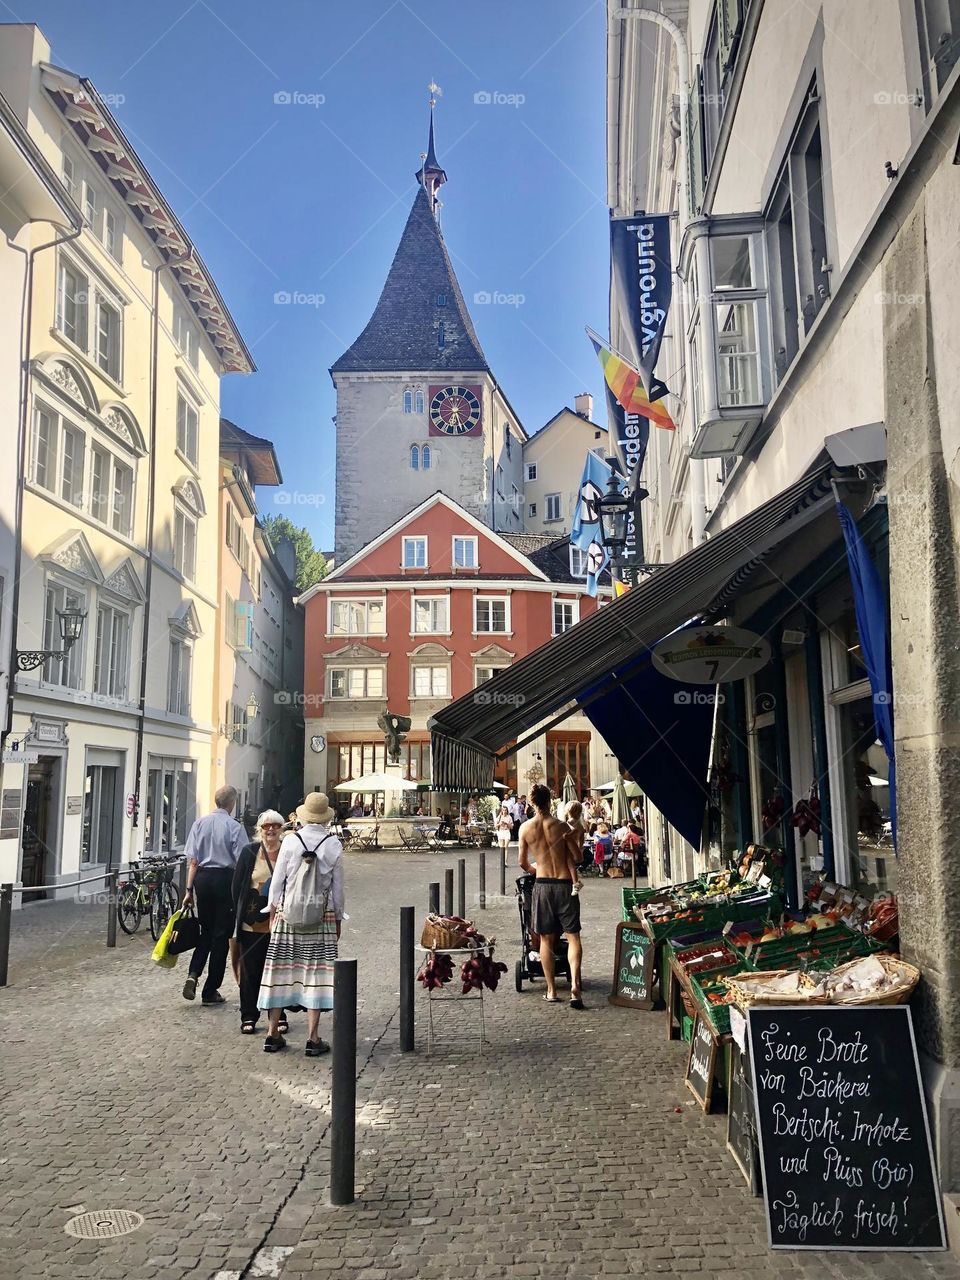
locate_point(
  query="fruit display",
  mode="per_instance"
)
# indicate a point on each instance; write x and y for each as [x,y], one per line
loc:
[477,971]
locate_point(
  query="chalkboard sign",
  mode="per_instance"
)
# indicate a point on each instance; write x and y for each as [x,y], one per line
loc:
[702,1063]
[844,1142]
[741,1130]
[632,968]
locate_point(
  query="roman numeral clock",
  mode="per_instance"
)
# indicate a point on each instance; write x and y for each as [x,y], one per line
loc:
[455,411]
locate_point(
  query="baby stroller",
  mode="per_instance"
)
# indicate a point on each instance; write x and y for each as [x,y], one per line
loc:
[529,966]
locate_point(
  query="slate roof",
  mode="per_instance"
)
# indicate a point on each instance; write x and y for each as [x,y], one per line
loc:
[402,332]
[550,554]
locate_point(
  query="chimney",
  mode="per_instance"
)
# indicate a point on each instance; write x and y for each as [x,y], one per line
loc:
[583,405]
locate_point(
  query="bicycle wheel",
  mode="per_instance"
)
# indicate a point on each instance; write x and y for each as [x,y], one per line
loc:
[163,903]
[129,908]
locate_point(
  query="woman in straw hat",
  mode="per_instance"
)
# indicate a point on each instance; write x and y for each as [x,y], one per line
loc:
[300,958]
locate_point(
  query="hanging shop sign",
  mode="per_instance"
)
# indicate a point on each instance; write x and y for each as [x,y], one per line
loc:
[844,1140]
[711,655]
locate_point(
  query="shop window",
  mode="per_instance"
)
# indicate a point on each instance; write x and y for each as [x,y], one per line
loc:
[101,797]
[171,804]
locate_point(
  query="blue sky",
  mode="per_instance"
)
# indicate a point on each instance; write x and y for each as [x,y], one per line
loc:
[309,197]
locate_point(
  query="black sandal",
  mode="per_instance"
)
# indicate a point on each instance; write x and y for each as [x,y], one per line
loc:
[248,1027]
[283,1026]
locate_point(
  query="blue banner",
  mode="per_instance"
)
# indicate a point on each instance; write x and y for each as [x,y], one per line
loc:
[585,532]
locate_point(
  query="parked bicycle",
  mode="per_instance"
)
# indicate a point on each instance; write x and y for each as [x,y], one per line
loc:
[150,891]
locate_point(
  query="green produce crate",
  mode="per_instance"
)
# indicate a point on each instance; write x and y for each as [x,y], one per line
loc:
[686,1027]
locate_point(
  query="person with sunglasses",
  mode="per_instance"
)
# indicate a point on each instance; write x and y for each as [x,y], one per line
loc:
[251,887]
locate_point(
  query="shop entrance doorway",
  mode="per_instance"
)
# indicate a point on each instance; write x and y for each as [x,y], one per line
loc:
[39,861]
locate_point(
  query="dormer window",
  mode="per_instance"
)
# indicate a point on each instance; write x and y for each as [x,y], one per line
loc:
[441,299]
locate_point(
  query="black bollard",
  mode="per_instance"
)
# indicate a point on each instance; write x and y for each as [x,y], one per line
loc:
[503,872]
[182,877]
[112,908]
[343,1095]
[448,891]
[407,966]
[483,879]
[435,897]
[6,909]
[462,888]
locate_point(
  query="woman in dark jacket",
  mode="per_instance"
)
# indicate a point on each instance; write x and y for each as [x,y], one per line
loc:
[251,884]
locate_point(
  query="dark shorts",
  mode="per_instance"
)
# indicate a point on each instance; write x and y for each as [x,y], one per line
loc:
[555,909]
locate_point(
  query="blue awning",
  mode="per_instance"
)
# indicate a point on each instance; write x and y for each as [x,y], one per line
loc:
[660,731]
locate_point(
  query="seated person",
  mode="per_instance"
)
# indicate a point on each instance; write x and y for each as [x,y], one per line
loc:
[603,847]
[632,846]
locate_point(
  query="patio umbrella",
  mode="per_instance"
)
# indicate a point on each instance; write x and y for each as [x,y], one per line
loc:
[619,804]
[630,789]
[569,790]
[377,782]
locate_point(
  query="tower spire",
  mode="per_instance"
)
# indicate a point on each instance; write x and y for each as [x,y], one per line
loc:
[430,175]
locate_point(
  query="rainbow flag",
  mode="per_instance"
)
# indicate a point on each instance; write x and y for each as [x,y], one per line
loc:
[627,387]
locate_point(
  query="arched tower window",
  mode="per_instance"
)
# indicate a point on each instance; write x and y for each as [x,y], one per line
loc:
[425,458]
[408,401]
[419,400]
[415,457]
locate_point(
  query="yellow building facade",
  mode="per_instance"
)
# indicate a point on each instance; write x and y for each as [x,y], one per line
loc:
[128,339]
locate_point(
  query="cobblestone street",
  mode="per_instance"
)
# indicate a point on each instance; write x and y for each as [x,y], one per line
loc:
[569,1148]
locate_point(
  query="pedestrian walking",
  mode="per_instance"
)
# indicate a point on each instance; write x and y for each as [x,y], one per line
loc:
[212,849]
[504,826]
[555,902]
[306,910]
[251,887]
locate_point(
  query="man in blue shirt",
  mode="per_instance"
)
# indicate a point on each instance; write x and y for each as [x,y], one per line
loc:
[212,849]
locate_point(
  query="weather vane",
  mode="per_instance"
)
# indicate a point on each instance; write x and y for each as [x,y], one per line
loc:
[435,93]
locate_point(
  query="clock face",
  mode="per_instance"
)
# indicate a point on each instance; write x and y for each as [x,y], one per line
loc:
[455,411]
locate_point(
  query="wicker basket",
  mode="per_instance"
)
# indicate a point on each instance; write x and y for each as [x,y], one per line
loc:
[744,997]
[906,975]
[441,933]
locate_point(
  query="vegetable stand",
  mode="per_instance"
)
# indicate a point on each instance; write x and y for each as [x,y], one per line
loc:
[439,995]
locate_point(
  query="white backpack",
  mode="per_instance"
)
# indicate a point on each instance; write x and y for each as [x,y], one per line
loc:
[306,897]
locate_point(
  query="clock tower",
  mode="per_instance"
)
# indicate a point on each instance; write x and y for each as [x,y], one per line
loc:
[418,408]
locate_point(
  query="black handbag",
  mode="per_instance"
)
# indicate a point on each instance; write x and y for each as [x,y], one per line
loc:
[186,933]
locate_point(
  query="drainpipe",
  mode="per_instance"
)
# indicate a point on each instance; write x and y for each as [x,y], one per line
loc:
[697,485]
[26,318]
[151,502]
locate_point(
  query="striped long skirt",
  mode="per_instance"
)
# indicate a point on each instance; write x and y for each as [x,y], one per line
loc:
[299,965]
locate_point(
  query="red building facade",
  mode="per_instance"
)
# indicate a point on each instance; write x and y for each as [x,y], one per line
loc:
[422,614]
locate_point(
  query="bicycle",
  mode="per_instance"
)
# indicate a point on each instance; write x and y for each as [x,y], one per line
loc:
[150,891]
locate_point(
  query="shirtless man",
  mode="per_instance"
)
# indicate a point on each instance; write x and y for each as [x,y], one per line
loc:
[556,909]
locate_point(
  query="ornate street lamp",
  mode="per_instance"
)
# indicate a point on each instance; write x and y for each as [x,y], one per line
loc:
[253,707]
[70,622]
[614,512]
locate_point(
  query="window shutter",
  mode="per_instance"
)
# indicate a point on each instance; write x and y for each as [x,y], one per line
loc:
[729,17]
[695,162]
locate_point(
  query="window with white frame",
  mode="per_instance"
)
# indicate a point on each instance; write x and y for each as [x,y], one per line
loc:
[58,455]
[414,457]
[430,681]
[414,553]
[564,615]
[531,471]
[484,673]
[552,506]
[184,542]
[107,352]
[418,400]
[578,562]
[186,337]
[111,490]
[491,614]
[532,510]
[188,426]
[464,553]
[82,306]
[431,615]
[111,666]
[356,682]
[68,673]
[358,617]
[180,675]
[408,401]
[102,219]
[425,458]
[69,173]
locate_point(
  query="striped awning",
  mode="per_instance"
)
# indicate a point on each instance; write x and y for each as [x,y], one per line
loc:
[607,647]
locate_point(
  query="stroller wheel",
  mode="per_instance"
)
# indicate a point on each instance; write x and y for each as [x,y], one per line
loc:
[518,975]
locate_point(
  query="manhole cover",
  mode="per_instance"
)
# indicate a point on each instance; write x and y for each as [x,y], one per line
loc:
[103,1223]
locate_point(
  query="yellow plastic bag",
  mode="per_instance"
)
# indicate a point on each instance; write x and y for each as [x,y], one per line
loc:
[160,955]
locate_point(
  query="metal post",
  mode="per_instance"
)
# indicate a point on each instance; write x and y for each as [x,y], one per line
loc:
[483,878]
[503,872]
[407,966]
[462,888]
[343,1094]
[112,908]
[6,908]
[182,877]
[435,897]
[448,892]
